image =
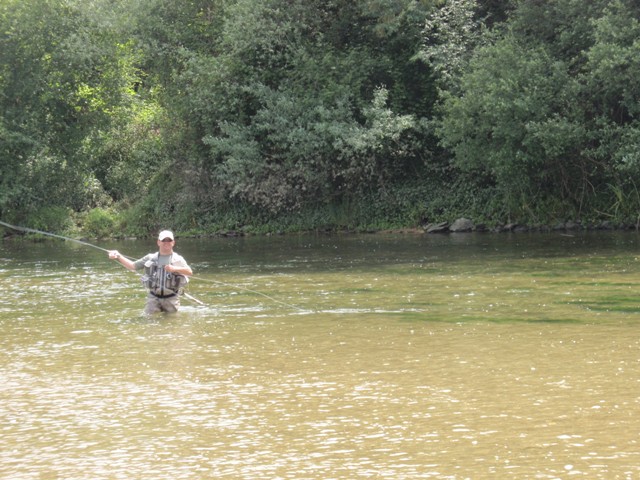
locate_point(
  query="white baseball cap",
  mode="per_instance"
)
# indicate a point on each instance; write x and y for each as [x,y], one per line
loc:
[165,234]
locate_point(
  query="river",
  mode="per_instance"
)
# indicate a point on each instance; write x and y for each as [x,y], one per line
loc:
[476,356]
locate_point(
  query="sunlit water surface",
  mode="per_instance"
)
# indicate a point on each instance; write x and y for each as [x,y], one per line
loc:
[330,357]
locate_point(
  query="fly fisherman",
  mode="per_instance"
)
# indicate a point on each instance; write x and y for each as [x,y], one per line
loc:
[165,273]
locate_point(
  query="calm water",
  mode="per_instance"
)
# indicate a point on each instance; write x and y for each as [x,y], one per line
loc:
[334,357]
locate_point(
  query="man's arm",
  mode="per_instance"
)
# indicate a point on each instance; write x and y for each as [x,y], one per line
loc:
[115,255]
[179,269]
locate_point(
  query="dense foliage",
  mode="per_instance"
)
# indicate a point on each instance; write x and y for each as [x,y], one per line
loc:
[204,115]
[547,110]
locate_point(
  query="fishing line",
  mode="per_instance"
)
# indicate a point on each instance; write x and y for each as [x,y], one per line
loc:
[190,297]
[251,291]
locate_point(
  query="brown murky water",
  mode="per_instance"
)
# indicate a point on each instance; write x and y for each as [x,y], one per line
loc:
[400,357]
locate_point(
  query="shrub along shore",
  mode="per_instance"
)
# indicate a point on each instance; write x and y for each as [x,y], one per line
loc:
[239,117]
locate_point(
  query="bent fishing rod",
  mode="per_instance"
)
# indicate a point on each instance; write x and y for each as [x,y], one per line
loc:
[33,230]
[190,297]
[81,242]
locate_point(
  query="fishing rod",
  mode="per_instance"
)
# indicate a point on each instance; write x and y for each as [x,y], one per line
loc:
[33,230]
[190,297]
[81,242]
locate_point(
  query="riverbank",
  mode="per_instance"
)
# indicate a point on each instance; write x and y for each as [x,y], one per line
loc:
[460,225]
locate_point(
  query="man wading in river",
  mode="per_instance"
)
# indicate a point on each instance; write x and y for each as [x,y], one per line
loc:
[165,273]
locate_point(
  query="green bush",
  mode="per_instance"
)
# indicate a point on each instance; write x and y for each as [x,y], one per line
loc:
[99,223]
[51,219]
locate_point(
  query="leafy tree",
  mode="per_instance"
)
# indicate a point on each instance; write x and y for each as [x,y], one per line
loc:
[451,33]
[547,104]
[289,94]
[613,82]
[64,73]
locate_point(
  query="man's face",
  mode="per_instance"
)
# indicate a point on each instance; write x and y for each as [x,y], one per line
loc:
[166,245]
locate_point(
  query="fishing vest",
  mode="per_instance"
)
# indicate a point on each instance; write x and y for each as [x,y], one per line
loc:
[158,281]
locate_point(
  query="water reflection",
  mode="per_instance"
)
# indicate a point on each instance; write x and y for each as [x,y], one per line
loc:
[408,360]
